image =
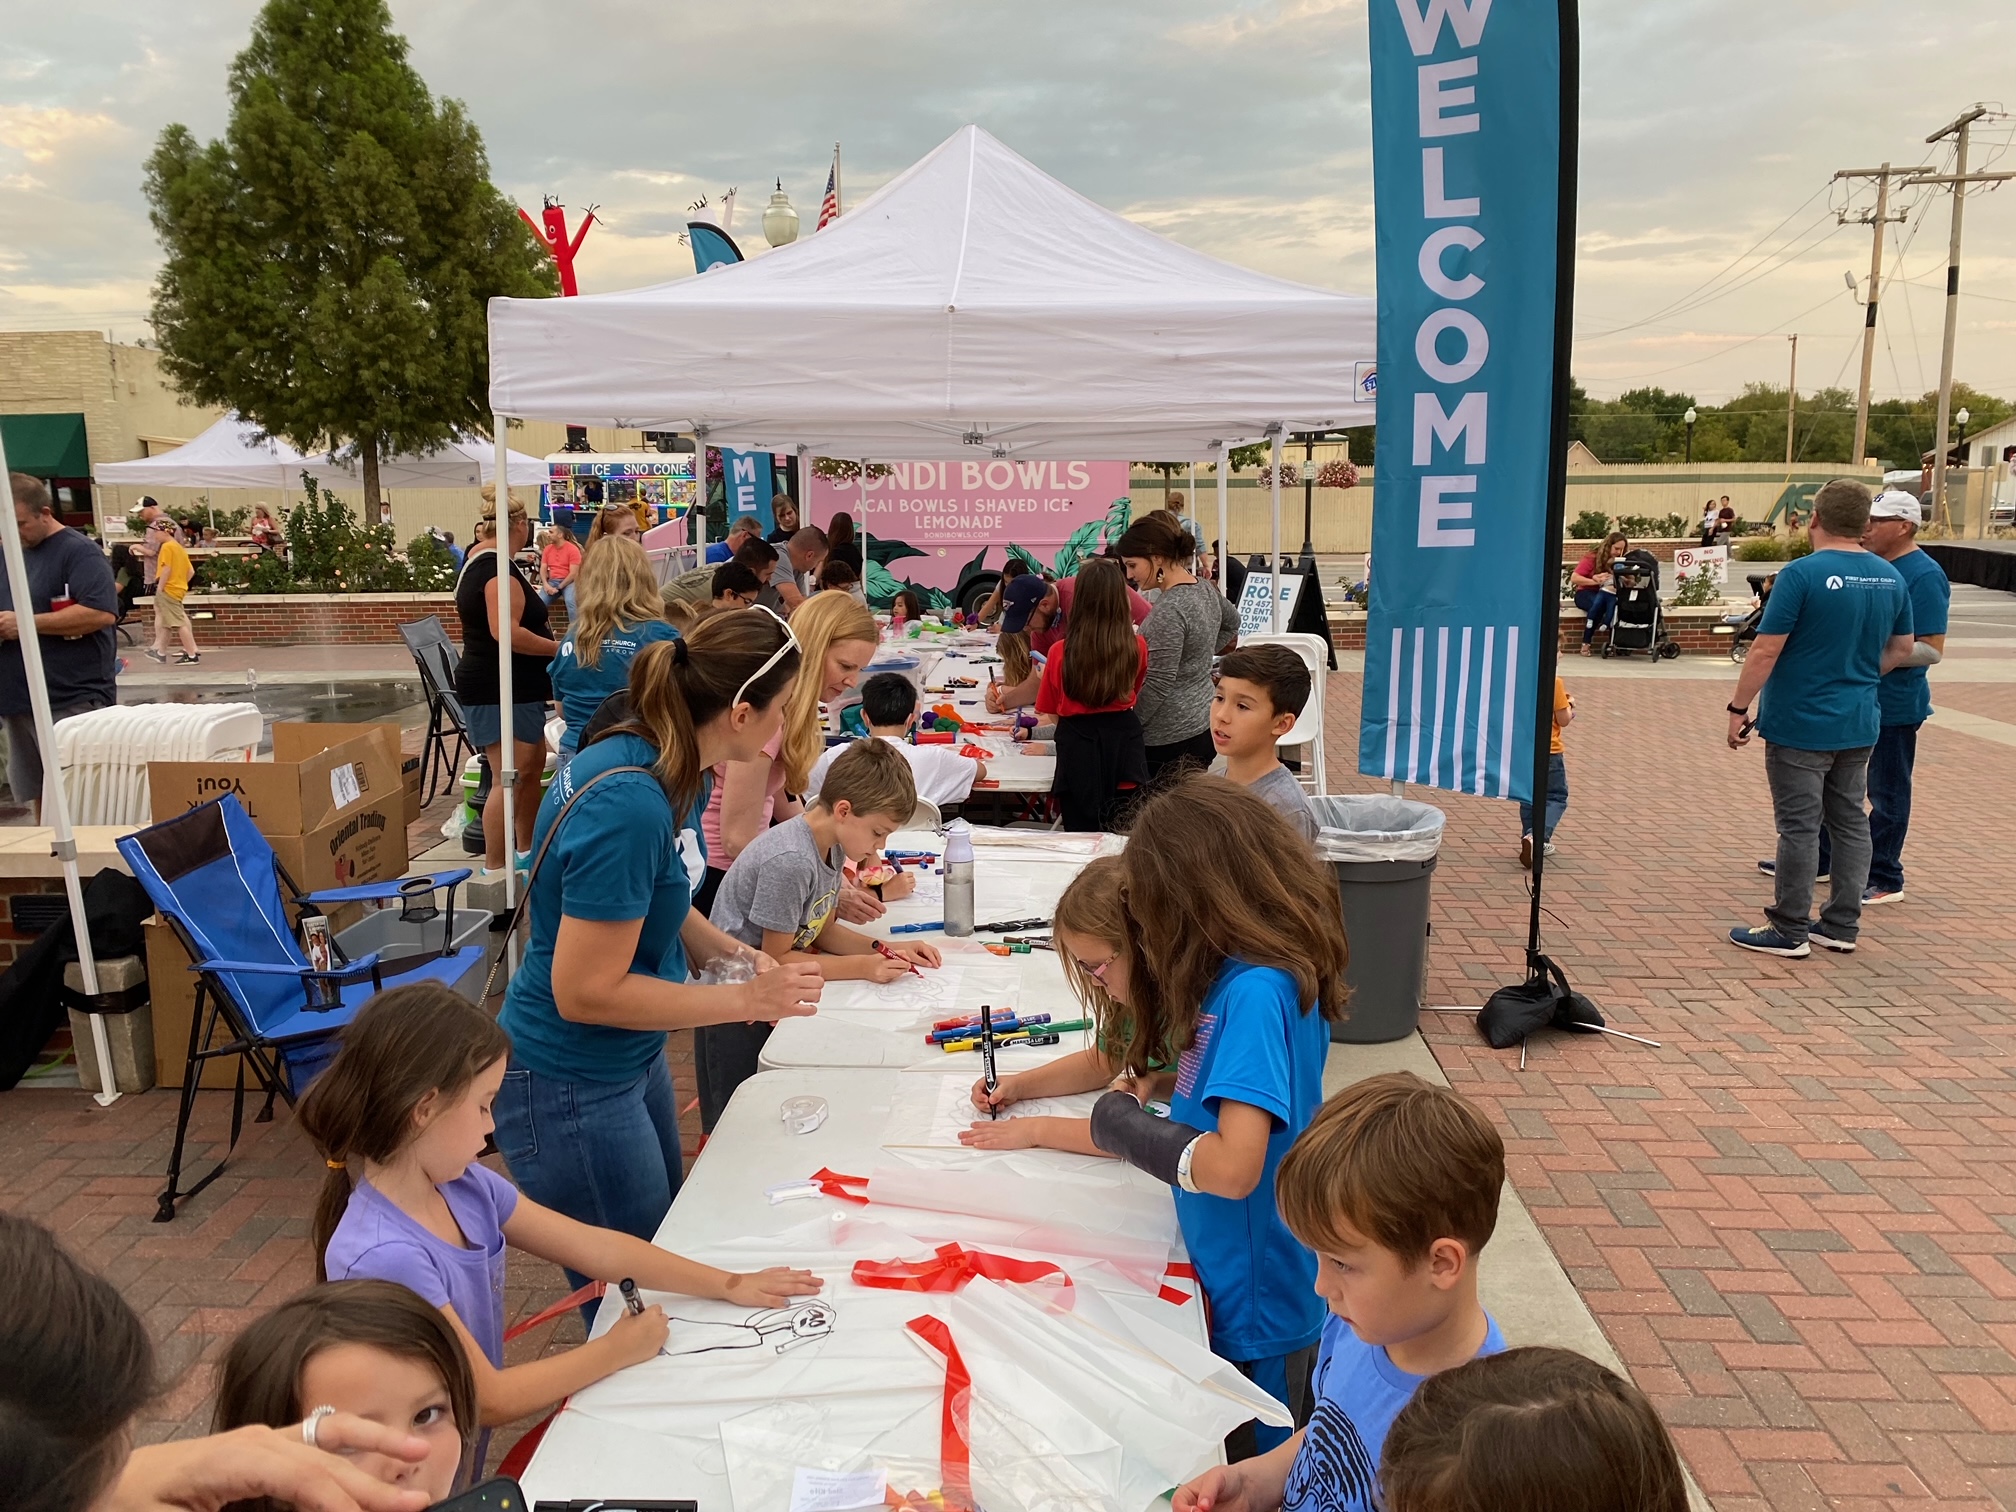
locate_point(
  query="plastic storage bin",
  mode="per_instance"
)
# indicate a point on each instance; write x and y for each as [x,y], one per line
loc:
[392,937]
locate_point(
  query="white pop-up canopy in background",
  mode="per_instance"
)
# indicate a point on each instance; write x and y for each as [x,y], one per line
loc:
[973,302]
[233,454]
[973,306]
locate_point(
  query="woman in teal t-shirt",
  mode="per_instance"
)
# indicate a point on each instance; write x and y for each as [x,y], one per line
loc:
[586,1116]
[616,612]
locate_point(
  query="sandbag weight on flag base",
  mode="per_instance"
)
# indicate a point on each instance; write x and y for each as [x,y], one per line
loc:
[55,798]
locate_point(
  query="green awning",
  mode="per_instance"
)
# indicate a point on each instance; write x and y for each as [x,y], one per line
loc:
[46,446]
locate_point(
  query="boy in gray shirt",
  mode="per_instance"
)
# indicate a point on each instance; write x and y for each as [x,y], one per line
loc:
[1260,693]
[781,894]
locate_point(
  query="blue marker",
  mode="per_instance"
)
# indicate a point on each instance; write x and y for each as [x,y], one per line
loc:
[916,928]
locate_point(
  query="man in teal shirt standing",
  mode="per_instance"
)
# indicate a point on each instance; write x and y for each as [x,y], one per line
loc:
[1903,698]
[1837,620]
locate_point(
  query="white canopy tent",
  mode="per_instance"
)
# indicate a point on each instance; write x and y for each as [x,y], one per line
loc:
[972,307]
[233,454]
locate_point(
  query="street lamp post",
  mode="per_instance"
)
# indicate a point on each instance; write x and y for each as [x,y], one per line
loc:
[780,221]
[1961,445]
[1690,417]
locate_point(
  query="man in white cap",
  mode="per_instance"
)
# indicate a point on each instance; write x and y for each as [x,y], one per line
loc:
[1837,620]
[1903,697]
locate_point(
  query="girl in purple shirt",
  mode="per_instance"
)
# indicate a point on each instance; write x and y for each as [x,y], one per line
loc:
[400,1117]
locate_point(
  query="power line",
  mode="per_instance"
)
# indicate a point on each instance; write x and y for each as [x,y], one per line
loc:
[1717,276]
[1746,341]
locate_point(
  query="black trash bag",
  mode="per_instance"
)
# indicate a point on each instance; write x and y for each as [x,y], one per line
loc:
[31,1002]
[1543,1001]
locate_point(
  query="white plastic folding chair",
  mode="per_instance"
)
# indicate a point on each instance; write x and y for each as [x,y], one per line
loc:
[1308,727]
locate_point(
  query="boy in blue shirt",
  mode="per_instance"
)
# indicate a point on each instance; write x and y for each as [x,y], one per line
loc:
[1395,1187]
[1837,620]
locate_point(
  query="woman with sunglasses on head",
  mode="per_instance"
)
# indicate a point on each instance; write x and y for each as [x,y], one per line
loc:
[586,1116]
[836,636]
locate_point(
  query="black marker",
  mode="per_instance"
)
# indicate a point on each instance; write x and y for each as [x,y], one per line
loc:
[987,1057]
[631,1300]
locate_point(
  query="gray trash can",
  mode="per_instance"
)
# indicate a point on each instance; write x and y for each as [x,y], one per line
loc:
[1383,850]
[385,932]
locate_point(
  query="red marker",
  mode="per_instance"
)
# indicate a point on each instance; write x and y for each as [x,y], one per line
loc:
[882,949]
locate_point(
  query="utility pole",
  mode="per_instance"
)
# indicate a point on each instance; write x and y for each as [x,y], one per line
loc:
[1792,401]
[1876,221]
[1959,178]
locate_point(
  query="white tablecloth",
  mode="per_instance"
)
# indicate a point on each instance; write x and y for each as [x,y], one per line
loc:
[944,657]
[1017,874]
[656,1430]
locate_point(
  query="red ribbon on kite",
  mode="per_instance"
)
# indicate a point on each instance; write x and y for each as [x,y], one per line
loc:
[953,1268]
[955,1454]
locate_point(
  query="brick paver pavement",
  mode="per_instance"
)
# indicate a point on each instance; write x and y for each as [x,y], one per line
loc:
[1795,1219]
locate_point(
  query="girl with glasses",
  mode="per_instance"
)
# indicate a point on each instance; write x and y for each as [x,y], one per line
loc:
[1211,953]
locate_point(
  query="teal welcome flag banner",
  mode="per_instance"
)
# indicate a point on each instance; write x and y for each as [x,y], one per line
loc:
[1473,122]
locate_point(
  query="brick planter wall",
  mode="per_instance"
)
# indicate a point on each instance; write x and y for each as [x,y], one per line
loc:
[1693,628]
[322,619]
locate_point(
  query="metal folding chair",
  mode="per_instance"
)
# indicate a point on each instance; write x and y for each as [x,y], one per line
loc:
[436,657]
[215,879]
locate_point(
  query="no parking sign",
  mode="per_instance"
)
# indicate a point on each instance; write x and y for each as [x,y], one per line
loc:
[1689,561]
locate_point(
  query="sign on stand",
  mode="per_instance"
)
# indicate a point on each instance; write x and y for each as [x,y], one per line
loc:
[1256,614]
[1689,561]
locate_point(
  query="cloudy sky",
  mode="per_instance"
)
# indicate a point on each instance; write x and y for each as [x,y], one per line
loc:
[1711,129]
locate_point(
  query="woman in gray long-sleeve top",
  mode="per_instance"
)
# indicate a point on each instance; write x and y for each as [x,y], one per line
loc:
[1190,624]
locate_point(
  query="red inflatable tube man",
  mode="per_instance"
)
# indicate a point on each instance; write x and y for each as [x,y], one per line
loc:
[554,239]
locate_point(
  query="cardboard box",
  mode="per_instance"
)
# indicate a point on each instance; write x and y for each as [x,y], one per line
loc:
[335,814]
[171,988]
[332,804]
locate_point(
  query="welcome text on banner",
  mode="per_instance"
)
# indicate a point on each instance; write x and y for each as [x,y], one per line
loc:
[1466,162]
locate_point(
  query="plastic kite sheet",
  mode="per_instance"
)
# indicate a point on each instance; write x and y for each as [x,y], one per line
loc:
[932,1112]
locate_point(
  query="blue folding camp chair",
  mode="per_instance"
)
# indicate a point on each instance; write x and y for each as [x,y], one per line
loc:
[212,875]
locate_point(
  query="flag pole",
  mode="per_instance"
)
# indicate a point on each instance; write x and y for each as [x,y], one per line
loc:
[1549,648]
[837,204]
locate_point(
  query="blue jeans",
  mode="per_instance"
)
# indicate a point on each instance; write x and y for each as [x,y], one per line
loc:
[1557,797]
[1890,764]
[603,1153]
[1600,607]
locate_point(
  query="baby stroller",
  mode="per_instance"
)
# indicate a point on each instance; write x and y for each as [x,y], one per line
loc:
[1638,624]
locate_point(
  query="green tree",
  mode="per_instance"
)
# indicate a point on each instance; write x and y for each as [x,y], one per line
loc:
[330,258]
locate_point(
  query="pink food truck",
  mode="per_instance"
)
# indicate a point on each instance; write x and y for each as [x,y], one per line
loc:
[945,529]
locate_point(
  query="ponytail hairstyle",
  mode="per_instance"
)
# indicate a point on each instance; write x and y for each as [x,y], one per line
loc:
[79,1366]
[1102,654]
[1192,903]
[403,1044]
[822,622]
[1012,646]
[260,1383]
[615,589]
[1158,536]
[676,686]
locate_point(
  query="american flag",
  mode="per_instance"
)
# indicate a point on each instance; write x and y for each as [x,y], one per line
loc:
[829,207]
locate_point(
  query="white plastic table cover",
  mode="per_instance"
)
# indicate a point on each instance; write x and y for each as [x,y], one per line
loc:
[1070,1406]
[1010,768]
[1018,874]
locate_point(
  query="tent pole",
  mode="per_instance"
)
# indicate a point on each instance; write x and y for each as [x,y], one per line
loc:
[507,776]
[862,533]
[1274,561]
[55,799]
[1224,540]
